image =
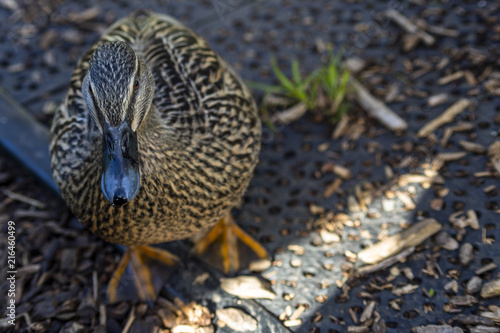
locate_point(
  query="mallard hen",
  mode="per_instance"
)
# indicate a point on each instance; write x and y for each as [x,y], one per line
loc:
[156,141]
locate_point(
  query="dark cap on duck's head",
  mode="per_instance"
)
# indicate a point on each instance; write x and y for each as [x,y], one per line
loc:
[111,72]
[118,86]
[118,91]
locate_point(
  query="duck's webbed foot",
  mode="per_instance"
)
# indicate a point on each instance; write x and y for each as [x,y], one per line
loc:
[227,247]
[141,283]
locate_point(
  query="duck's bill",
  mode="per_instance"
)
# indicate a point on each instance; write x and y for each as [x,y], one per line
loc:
[120,164]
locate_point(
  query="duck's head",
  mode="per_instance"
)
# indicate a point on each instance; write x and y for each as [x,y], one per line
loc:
[118,90]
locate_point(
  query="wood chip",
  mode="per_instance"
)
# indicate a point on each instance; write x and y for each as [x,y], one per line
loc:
[491,289]
[23,198]
[484,329]
[406,289]
[86,15]
[493,313]
[379,326]
[354,64]
[406,199]
[339,170]
[357,329]
[442,158]
[248,287]
[450,78]
[292,323]
[298,312]
[28,270]
[436,100]
[437,30]
[259,265]
[341,128]
[467,300]
[184,329]
[446,117]
[471,79]
[436,329]
[448,131]
[410,27]
[385,263]
[353,315]
[368,311]
[472,320]
[444,240]
[130,320]
[472,220]
[377,109]
[473,285]
[316,210]
[452,285]
[275,100]
[329,237]
[486,268]
[472,147]
[459,221]
[290,115]
[236,319]
[413,236]
[466,254]
[22,213]
[494,154]
[332,188]
[419,179]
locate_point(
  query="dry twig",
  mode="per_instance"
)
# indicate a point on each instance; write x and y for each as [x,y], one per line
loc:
[446,117]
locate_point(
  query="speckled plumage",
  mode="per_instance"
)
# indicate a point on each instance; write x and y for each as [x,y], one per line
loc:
[198,143]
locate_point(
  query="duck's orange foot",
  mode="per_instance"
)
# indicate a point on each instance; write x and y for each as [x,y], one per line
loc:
[228,248]
[140,283]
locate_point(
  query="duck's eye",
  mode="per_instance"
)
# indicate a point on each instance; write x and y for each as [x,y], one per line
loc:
[136,85]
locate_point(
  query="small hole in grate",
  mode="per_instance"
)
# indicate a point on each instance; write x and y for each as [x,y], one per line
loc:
[309,274]
[428,307]
[492,193]
[486,261]
[491,205]
[391,324]
[284,232]
[483,125]
[283,182]
[458,205]
[289,154]
[270,174]
[306,147]
[489,227]
[266,239]
[274,210]
[412,314]
[299,175]
[459,192]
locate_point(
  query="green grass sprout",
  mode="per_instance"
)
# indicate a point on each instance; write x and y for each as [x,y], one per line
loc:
[330,81]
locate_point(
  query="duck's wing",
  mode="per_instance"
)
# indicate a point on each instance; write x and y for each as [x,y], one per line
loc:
[196,89]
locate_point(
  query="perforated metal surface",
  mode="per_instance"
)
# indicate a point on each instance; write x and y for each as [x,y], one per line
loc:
[289,177]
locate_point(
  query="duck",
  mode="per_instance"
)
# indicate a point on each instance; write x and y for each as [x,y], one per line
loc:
[156,140]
